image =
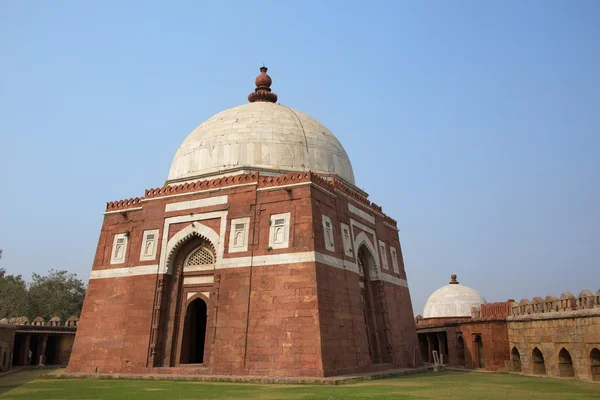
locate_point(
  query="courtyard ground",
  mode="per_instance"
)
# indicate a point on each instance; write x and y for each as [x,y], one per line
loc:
[426,385]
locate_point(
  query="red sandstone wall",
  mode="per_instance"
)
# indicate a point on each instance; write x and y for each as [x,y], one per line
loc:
[283,331]
[343,330]
[494,335]
[404,333]
[114,328]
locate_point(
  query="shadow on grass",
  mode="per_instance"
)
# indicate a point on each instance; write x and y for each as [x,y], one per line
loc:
[19,378]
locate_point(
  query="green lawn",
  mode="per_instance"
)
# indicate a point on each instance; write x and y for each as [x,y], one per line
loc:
[426,385]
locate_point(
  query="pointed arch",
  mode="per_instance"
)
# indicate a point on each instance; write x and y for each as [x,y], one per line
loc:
[537,361]
[195,229]
[362,239]
[194,332]
[595,364]
[565,364]
[199,295]
[515,360]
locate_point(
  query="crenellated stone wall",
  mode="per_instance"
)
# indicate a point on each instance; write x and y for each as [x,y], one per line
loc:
[556,336]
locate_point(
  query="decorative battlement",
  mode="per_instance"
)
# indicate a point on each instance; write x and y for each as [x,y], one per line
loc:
[123,204]
[251,178]
[567,302]
[288,179]
[217,183]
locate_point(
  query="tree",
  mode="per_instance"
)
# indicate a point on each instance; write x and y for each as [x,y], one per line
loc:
[14,301]
[60,293]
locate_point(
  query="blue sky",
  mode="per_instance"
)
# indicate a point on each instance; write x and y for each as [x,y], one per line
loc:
[475,124]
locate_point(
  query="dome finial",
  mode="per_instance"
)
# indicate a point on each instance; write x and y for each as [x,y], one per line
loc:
[263,88]
[453,280]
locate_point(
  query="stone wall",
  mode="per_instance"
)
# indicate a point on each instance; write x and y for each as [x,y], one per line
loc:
[7,338]
[568,341]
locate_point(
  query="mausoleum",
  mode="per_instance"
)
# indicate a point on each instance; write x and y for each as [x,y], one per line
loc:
[259,255]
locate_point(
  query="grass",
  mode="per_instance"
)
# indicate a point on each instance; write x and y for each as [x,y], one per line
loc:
[426,385]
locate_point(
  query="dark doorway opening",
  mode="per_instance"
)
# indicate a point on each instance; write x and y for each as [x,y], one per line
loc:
[18,350]
[51,350]
[565,364]
[460,351]
[194,333]
[515,360]
[423,347]
[595,364]
[34,347]
[479,349]
[539,367]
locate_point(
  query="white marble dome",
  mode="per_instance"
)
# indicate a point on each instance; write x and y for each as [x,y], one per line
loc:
[452,300]
[262,136]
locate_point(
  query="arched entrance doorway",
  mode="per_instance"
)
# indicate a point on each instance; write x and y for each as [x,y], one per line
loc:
[515,360]
[181,303]
[374,324]
[537,360]
[460,351]
[595,364]
[194,333]
[565,364]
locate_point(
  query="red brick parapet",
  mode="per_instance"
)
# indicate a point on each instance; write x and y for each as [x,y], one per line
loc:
[189,187]
[495,310]
[288,179]
[264,181]
[123,204]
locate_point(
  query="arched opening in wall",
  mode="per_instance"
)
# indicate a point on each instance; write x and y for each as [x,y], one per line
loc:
[460,351]
[192,262]
[365,266]
[194,333]
[515,360]
[51,353]
[3,366]
[565,364]
[537,360]
[479,349]
[595,364]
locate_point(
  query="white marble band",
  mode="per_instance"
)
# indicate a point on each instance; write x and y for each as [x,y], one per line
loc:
[241,262]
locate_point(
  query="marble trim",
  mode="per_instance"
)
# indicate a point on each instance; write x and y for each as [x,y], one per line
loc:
[360,213]
[125,272]
[241,262]
[124,210]
[191,204]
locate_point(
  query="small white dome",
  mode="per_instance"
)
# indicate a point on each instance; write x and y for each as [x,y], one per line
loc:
[453,300]
[260,136]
